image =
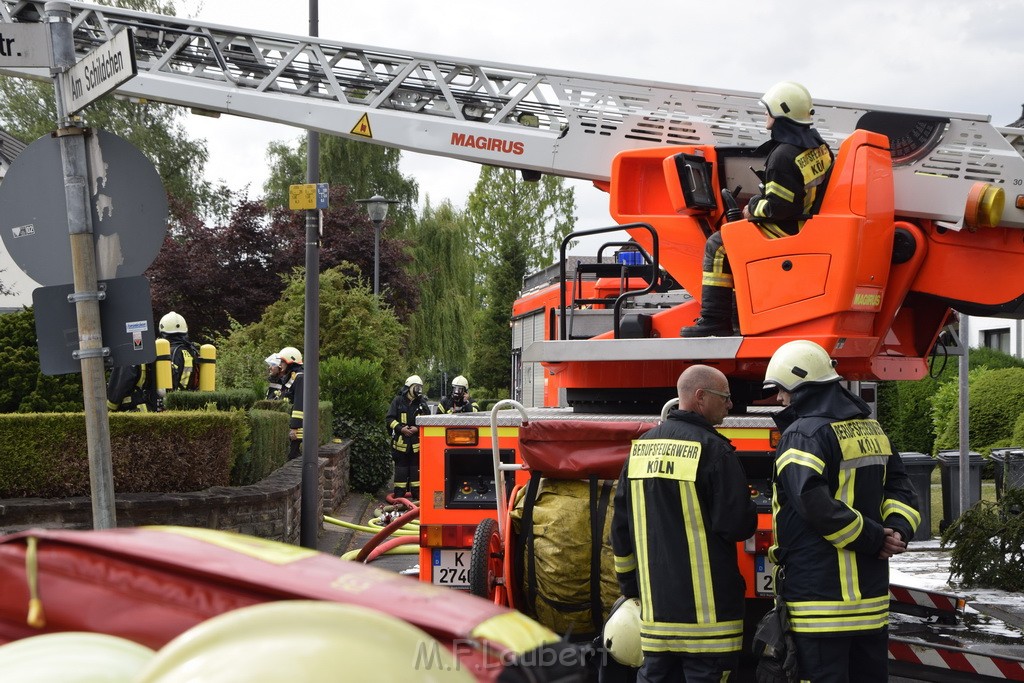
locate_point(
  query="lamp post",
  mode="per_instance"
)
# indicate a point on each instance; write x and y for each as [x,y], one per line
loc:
[377,208]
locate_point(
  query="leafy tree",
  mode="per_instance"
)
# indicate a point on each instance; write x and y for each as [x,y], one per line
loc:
[25,389]
[366,169]
[353,324]
[212,275]
[517,227]
[348,236]
[29,112]
[441,328]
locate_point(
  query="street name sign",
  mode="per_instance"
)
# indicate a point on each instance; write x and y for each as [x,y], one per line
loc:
[99,72]
[24,45]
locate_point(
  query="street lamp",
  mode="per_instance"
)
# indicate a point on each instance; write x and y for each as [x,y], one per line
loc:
[377,208]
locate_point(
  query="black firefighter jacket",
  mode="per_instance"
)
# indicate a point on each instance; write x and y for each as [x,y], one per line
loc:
[838,484]
[681,505]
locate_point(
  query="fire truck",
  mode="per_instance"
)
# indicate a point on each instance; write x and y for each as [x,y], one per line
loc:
[922,215]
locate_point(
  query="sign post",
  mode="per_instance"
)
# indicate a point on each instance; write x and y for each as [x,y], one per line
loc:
[83,262]
[311,198]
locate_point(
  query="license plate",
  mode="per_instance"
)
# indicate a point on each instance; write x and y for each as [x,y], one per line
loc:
[764,577]
[451,568]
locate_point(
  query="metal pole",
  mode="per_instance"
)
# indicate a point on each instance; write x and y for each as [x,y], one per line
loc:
[311,520]
[83,264]
[376,257]
[964,423]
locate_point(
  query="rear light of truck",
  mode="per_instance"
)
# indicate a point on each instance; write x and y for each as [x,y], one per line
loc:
[447,535]
[759,543]
[461,436]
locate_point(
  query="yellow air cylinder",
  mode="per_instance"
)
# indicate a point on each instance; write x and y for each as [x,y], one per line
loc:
[208,367]
[163,364]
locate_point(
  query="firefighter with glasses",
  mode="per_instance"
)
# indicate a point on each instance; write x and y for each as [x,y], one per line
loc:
[681,505]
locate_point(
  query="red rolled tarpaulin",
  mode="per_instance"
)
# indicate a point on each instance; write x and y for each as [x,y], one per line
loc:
[151,584]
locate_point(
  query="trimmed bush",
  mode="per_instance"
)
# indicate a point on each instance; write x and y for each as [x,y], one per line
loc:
[200,400]
[269,448]
[361,397]
[996,400]
[46,455]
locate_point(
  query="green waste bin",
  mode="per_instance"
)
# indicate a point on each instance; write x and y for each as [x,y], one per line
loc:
[950,462]
[1008,464]
[919,468]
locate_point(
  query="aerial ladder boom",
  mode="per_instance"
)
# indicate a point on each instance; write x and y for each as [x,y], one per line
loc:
[555,122]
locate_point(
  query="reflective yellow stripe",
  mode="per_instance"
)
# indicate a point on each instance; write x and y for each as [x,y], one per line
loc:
[779,191]
[700,560]
[691,645]
[891,506]
[849,580]
[685,630]
[759,208]
[717,280]
[798,457]
[772,231]
[643,561]
[868,622]
[624,565]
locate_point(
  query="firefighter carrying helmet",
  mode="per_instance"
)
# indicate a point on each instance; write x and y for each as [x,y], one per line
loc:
[460,381]
[413,379]
[797,363]
[789,100]
[173,322]
[289,355]
[621,634]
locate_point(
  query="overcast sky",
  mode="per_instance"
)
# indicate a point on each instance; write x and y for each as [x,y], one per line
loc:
[964,56]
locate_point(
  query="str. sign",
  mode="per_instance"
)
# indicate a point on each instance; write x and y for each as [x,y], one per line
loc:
[24,45]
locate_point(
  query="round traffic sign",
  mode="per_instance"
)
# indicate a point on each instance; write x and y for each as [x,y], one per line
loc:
[129,210]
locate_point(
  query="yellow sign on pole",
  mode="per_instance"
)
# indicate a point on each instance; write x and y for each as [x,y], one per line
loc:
[302,197]
[310,196]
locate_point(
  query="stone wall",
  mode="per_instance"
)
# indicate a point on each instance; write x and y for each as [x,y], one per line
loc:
[268,509]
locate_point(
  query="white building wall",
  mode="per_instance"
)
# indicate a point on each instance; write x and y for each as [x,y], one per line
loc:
[998,333]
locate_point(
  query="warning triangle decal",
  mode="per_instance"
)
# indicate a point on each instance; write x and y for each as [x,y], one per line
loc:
[362,127]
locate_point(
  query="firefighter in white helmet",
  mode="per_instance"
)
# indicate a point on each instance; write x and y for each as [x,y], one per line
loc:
[842,506]
[792,186]
[459,400]
[405,436]
[291,389]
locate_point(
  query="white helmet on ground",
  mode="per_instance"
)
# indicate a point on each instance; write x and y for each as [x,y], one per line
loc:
[621,634]
[797,363]
[460,381]
[290,354]
[789,100]
[173,322]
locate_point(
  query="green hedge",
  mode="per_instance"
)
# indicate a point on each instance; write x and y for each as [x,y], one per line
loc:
[201,400]
[996,401]
[269,447]
[46,454]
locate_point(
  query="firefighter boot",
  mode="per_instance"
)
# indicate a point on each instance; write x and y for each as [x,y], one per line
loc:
[715,314]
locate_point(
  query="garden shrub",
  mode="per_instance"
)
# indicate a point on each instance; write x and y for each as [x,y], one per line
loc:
[996,400]
[360,396]
[988,544]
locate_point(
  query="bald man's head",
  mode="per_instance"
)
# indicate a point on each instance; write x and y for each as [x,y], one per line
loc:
[703,389]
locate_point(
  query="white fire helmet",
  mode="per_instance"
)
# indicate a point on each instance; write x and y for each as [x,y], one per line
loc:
[789,100]
[797,363]
[173,322]
[621,635]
